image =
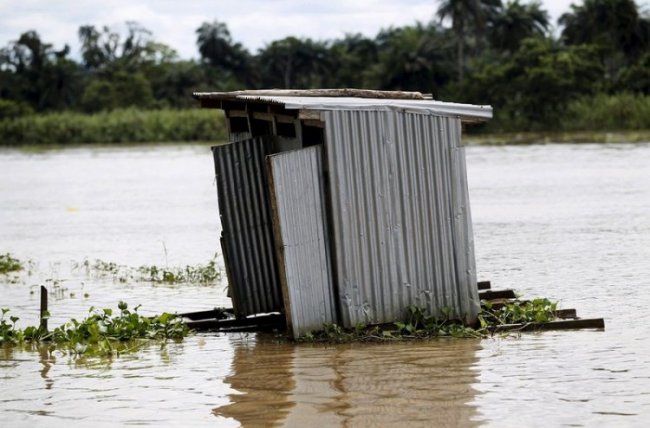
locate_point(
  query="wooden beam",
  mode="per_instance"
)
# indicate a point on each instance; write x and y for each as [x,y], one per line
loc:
[313,123]
[309,114]
[484,285]
[236,113]
[282,118]
[566,313]
[255,323]
[597,323]
[216,313]
[497,294]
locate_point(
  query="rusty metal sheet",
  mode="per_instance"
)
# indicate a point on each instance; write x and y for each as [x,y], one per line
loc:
[302,239]
[247,230]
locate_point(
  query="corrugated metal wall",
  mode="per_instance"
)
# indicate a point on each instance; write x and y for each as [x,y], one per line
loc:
[302,239]
[247,234]
[400,213]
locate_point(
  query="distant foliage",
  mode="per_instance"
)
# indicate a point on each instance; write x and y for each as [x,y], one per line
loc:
[118,126]
[502,53]
[626,111]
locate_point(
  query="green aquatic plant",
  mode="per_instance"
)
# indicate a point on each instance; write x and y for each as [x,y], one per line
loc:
[101,333]
[8,263]
[418,324]
[201,274]
[517,312]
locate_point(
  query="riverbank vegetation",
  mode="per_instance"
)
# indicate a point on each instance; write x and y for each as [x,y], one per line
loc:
[124,86]
[128,125]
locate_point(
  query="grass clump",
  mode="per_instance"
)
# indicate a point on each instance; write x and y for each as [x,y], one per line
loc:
[100,333]
[420,325]
[9,264]
[199,274]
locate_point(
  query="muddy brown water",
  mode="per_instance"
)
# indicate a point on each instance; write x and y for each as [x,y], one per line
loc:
[568,222]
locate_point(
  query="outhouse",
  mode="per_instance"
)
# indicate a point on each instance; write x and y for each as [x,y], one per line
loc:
[345,206]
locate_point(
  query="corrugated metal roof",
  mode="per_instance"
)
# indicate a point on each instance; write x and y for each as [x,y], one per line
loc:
[400,214]
[300,222]
[467,112]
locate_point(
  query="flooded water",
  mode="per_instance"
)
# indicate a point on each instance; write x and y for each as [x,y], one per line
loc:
[569,222]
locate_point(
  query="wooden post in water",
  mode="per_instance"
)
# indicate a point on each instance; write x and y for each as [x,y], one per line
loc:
[44,315]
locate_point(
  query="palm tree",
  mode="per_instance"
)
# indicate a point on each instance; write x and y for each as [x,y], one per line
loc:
[218,49]
[413,58]
[214,42]
[613,24]
[516,22]
[466,15]
[295,63]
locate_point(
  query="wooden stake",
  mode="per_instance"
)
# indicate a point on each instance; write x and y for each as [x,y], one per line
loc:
[44,314]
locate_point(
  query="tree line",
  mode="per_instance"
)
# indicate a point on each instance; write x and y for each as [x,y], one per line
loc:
[476,51]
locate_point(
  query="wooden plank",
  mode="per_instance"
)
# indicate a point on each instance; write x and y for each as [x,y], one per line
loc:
[309,114]
[596,323]
[216,313]
[236,113]
[484,285]
[345,92]
[258,115]
[566,313]
[314,123]
[255,323]
[497,294]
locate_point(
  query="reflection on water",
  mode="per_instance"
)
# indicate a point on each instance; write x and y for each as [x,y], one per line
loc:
[262,381]
[427,384]
[571,222]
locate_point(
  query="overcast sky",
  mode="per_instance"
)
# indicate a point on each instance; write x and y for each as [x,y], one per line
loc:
[251,22]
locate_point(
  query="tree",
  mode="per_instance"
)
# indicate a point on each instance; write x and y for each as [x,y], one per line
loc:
[613,24]
[415,58]
[295,63]
[35,73]
[352,57]
[531,89]
[516,22]
[466,15]
[217,49]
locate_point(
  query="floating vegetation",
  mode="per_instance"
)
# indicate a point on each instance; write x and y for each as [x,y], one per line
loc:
[9,264]
[202,274]
[419,325]
[199,274]
[100,334]
[517,312]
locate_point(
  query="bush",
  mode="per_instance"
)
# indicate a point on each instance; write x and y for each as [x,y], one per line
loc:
[603,112]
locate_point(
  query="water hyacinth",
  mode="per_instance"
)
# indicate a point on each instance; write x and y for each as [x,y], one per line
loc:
[100,333]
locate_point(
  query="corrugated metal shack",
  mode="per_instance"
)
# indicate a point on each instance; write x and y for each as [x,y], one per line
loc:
[345,206]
